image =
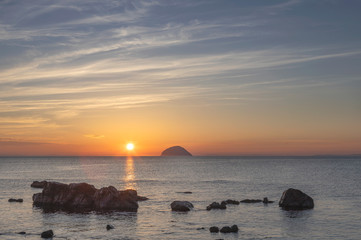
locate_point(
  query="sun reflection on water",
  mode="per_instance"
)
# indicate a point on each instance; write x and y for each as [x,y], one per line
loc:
[129,177]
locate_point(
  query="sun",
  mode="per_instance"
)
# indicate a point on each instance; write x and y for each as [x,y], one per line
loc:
[130,146]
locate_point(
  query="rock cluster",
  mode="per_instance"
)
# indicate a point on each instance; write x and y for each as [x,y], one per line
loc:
[85,197]
[225,229]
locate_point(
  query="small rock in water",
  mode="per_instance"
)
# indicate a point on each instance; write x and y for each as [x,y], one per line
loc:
[47,234]
[227,229]
[110,227]
[214,229]
[230,201]
[181,206]
[251,201]
[15,200]
[216,205]
[294,199]
[22,233]
[37,184]
[201,228]
[265,201]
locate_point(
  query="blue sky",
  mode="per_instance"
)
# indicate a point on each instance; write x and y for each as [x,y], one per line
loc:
[285,65]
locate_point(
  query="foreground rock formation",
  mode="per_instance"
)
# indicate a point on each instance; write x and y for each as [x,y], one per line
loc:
[294,199]
[176,151]
[81,197]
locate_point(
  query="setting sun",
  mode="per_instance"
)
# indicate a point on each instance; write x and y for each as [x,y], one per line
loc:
[130,146]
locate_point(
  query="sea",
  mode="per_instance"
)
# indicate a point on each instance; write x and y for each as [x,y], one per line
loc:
[333,182]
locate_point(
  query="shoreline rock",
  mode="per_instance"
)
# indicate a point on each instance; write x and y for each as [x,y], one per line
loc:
[83,197]
[294,199]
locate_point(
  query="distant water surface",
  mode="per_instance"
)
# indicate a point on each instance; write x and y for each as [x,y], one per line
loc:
[333,182]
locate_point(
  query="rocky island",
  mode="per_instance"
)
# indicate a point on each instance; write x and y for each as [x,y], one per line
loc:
[176,151]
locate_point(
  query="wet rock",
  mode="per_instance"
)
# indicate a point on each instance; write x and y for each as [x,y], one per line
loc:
[251,201]
[227,229]
[229,201]
[15,200]
[47,234]
[110,227]
[294,199]
[266,201]
[181,206]
[214,229]
[37,184]
[80,197]
[216,205]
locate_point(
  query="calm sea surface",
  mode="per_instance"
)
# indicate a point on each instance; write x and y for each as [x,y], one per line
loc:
[333,183]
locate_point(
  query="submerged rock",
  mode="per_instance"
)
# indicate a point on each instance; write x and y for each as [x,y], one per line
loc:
[176,151]
[37,184]
[251,201]
[109,227]
[181,206]
[229,201]
[214,229]
[226,229]
[15,200]
[47,234]
[294,199]
[81,197]
[216,205]
[22,233]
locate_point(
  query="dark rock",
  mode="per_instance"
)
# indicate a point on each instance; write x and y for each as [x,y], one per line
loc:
[80,197]
[15,200]
[175,151]
[110,227]
[266,201]
[227,229]
[214,229]
[181,206]
[251,201]
[37,184]
[201,228]
[185,192]
[22,233]
[216,205]
[234,228]
[294,199]
[47,234]
[229,201]
[140,198]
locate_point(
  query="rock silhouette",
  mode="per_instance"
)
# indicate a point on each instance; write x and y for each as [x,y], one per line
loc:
[81,197]
[176,151]
[294,199]
[37,184]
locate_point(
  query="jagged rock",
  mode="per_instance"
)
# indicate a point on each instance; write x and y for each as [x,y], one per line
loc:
[214,229]
[176,151]
[81,197]
[109,227]
[37,184]
[181,206]
[294,199]
[216,205]
[251,201]
[47,234]
[266,201]
[15,200]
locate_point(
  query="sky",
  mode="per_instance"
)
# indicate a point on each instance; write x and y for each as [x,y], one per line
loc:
[278,77]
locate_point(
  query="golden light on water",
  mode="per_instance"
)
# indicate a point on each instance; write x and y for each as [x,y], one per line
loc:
[129,174]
